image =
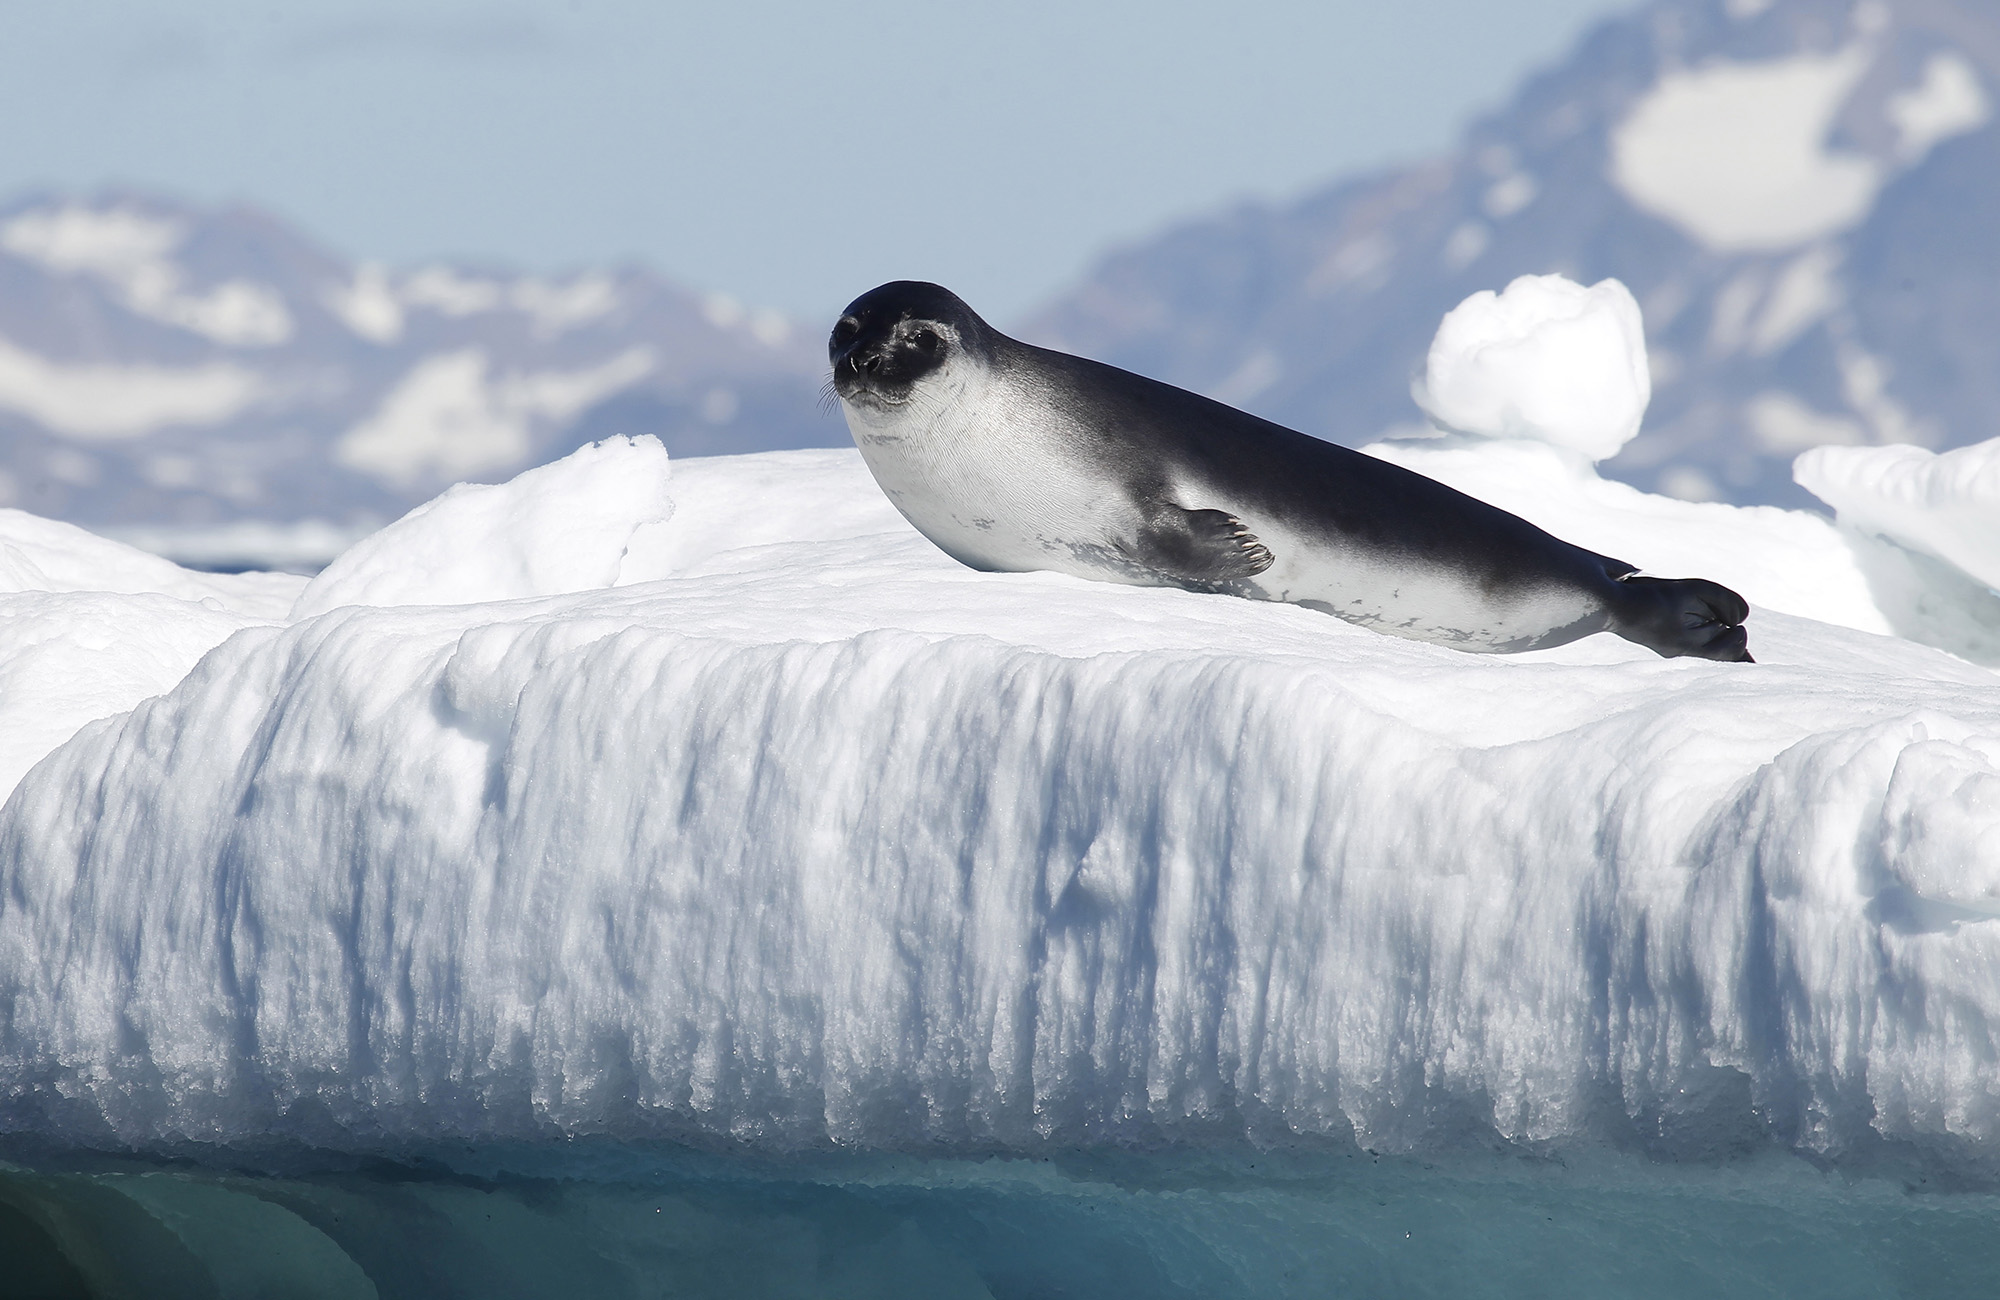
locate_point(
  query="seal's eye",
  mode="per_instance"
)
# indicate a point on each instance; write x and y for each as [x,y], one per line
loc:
[844,333]
[926,340]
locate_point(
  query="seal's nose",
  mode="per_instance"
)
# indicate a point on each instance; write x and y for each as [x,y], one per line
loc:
[858,361]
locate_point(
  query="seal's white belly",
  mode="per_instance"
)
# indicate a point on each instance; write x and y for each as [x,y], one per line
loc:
[998,492]
[1008,489]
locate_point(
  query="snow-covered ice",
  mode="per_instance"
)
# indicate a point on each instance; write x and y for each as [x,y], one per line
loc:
[708,801]
[88,628]
[785,828]
[567,827]
[1945,505]
[1925,528]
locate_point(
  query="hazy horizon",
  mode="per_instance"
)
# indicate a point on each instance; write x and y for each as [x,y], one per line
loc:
[784,154]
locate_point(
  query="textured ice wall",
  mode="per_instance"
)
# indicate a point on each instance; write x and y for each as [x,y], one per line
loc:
[830,838]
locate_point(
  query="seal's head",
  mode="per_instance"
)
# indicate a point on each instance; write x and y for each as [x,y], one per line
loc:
[894,337]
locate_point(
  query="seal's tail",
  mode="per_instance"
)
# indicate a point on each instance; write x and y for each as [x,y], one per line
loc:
[1683,616]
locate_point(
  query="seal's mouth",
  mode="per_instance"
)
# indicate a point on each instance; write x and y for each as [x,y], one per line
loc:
[866,390]
[870,378]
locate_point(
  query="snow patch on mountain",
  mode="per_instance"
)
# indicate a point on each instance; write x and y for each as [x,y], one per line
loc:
[102,401]
[450,417]
[1950,100]
[1799,192]
[1736,153]
[131,252]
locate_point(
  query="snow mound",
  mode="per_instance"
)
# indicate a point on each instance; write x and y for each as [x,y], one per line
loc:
[46,555]
[70,659]
[806,834]
[89,627]
[560,527]
[1548,360]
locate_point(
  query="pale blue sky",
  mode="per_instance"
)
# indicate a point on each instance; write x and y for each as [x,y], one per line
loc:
[793,154]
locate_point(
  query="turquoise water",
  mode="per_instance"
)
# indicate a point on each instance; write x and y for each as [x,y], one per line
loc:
[617,1220]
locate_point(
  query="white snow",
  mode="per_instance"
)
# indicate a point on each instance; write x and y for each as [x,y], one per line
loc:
[1467,241]
[89,627]
[519,539]
[373,305]
[1737,154]
[131,252]
[1945,504]
[1807,290]
[709,800]
[1509,195]
[558,306]
[1949,101]
[103,401]
[450,418]
[368,305]
[1546,359]
[446,291]
[769,327]
[806,832]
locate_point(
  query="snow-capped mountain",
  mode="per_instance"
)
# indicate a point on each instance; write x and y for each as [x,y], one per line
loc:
[170,366]
[1804,195]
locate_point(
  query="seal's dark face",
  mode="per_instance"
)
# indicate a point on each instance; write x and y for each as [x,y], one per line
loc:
[891,339]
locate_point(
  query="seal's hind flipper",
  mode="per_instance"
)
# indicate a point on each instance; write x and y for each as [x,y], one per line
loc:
[1200,548]
[1682,616]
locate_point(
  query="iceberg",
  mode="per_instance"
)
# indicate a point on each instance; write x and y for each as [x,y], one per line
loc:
[830,841]
[690,866]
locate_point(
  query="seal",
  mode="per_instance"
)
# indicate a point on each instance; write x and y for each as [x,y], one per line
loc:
[1012,457]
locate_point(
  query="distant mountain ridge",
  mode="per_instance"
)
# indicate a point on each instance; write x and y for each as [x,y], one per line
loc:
[167,365]
[1803,194]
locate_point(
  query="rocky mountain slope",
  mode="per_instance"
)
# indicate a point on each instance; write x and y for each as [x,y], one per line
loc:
[1803,194]
[161,365]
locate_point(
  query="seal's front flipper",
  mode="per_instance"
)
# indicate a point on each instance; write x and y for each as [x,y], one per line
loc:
[1200,547]
[1682,616]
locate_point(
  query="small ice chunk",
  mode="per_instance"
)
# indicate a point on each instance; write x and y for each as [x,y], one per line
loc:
[1548,360]
[1943,504]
